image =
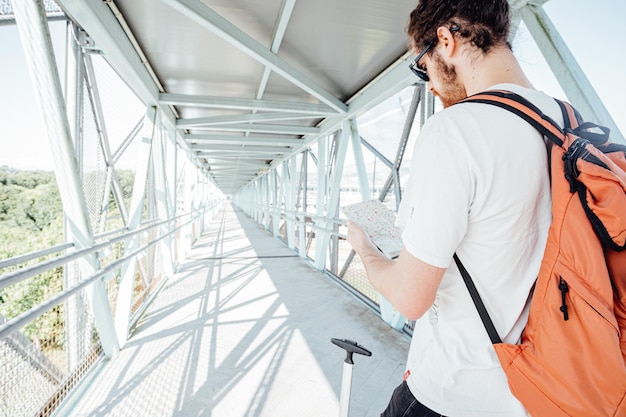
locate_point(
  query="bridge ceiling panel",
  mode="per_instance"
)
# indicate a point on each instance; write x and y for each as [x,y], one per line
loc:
[272,71]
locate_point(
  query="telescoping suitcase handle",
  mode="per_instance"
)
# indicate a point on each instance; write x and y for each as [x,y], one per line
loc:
[346,383]
[351,348]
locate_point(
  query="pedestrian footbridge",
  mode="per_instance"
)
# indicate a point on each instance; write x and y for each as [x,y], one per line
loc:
[202,150]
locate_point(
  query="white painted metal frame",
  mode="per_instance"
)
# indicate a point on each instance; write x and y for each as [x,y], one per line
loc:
[567,71]
[33,27]
[98,20]
[126,286]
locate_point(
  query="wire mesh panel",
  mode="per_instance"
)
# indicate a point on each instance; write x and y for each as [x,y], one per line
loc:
[356,275]
[43,360]
[149,271]
[50,6]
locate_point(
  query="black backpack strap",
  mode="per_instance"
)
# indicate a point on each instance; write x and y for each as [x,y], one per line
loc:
[523,108]
[478,302]
[545,125]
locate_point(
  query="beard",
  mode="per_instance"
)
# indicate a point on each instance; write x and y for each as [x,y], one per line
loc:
[452,91]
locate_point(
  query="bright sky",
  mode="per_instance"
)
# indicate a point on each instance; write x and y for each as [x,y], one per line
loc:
[23,143]
[583,25]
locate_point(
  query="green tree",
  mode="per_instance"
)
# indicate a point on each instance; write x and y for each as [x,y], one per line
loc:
[31,218]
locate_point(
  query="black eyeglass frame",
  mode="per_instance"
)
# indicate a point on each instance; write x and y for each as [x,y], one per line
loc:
[413,66]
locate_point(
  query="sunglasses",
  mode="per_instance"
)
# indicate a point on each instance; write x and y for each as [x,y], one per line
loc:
[421,73]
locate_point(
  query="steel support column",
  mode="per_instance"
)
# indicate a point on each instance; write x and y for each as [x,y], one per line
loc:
[75,307]
[164,207]
[275,191]
[34,33]
[291,173]
[361,170]
[332,207]
[302,237]
[320,250]
[567,71]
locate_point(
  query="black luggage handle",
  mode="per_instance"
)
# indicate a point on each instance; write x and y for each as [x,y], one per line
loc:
[351,348]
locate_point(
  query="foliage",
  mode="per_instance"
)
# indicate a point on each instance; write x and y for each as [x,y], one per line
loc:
[29,199]
[31,219]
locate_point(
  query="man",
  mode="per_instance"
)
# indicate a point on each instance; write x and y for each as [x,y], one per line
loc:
[479,186]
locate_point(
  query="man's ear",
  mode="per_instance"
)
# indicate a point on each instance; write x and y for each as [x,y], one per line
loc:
[446,42]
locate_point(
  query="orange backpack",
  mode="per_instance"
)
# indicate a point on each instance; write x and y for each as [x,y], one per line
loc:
[571,359]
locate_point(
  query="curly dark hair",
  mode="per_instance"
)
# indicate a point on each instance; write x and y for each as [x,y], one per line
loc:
[485,23]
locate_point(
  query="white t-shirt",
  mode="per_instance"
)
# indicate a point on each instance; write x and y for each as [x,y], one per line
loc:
[479,186]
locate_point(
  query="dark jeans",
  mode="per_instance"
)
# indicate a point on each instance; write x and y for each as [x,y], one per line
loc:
[404,404]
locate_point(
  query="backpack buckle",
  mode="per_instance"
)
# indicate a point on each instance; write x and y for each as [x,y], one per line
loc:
[575,151]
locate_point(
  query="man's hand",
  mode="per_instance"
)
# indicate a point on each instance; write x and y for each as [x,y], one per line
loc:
[359,240]
[407,282]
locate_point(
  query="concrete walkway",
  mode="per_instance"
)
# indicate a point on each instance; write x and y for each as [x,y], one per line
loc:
[244,329]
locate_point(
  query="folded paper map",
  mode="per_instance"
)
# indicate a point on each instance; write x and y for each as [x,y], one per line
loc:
[378,221]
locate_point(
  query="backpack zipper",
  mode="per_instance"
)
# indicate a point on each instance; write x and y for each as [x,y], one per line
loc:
[564,290]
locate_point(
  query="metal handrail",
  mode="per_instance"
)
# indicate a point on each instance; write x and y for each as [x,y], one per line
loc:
[20,259]
[29,315]
[14,277]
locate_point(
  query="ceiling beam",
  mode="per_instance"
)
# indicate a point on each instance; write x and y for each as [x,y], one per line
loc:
[238,103]
[247,149]
[234,156]
[208,18]
[244,140]
[99,22]
[214,161]
[243,118]
[264,128]
[247,172]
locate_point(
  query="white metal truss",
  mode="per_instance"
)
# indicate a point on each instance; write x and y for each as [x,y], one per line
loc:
[568,73]
[264,165]
[33,27]
[197,11]
[125,291]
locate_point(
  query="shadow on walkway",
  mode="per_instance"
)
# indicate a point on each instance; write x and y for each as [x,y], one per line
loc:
[243,329]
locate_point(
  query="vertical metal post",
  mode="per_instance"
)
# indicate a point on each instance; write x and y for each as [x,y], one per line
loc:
[75,306]
[266,200]
[332,208]
[320,249]
[258,199]
[360,161]
[275,201]
[302,237]
[172,153]
[291,173]
[163,206]
[424,104]
[186,232]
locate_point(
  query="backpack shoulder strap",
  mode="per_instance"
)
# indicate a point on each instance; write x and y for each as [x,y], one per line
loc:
[549,128]
[478,302]
[526,110]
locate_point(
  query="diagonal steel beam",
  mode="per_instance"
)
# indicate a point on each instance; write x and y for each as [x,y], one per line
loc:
[281,27]
[205,16]
[243,118]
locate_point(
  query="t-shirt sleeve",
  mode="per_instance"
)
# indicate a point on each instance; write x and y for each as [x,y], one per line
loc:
[438,194]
